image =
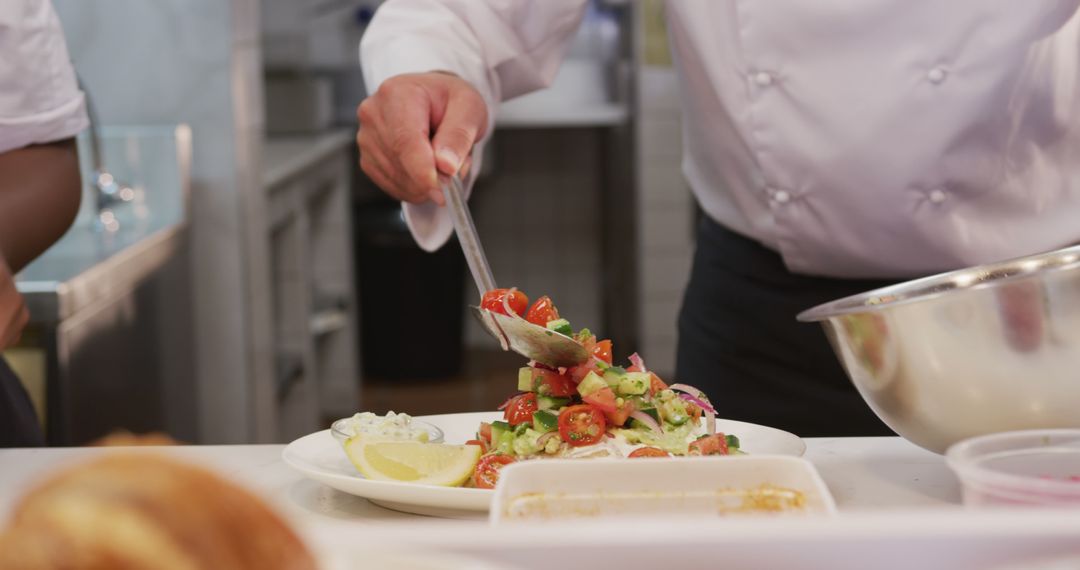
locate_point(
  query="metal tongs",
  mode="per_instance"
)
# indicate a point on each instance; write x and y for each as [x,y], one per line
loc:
[513,332]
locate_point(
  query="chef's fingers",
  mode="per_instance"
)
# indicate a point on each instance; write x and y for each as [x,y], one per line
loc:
[395,122]
[466,167]
[381,177]
[463,119]
[406,140]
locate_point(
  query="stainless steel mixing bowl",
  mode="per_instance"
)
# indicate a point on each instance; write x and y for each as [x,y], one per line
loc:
[980,350]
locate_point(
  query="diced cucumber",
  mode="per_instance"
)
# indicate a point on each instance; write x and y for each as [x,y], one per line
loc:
[674,412]
[561,326]
[525,443]
[505,443]
[591,384]
[616,369]
[549,403]
[633,383]
[497,431]
[502,437]
[732,441]
[545,421]
[525,379]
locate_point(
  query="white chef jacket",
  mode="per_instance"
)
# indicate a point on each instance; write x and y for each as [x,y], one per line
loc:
[40,100]
[858,138]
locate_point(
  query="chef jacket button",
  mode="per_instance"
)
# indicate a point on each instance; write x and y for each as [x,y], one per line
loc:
[936,75]
[937,196]
[763,79]
[781,196]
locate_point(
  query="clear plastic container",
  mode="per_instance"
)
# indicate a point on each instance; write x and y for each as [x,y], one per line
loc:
[1038,468]
[342,430]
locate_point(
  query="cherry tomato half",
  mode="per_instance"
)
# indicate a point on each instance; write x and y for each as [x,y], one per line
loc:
[602,350]
[649,452]
[710,445]
[493,301]
[521,409]
[581,425]
[542,312]
[487,471]
[551,383]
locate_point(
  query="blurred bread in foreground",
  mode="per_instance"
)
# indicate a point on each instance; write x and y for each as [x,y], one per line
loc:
[122,438]
[139,510]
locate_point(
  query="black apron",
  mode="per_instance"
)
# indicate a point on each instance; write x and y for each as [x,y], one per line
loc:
[18,423]
[740,343]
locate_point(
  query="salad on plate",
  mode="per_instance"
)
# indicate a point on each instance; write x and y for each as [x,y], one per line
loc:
[594,409]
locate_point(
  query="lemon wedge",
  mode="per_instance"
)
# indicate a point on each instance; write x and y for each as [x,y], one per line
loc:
[413,461]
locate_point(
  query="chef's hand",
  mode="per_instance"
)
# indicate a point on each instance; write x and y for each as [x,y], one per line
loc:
[415,124]
[13,313]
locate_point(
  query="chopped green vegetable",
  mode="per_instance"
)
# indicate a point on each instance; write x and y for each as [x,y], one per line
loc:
[633,383]
[550,403]
[525,379]
[545,421]
[561,326]
[591,384]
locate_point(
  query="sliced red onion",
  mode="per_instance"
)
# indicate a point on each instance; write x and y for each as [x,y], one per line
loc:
[710,422]
[647,420]
[688,389]
[698,402]
[541,441]
[506,403]
[506,303]
[636,360]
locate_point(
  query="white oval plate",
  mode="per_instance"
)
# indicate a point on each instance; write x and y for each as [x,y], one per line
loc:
[320,457]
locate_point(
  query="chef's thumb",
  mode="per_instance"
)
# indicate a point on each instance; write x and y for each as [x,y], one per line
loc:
[464,120]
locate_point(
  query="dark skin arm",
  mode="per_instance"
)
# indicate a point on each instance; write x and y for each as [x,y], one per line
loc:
[40,190]
[39,197]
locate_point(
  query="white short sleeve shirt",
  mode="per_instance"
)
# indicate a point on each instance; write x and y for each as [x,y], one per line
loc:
[40,100]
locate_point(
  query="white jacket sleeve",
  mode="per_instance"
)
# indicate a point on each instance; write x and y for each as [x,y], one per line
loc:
[504,48]
[40,100]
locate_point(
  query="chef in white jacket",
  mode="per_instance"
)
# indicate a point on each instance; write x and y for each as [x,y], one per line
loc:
[835,146]
[41,111]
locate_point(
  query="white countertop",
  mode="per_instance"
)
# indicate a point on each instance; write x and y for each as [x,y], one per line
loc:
[899,508]
[862,474]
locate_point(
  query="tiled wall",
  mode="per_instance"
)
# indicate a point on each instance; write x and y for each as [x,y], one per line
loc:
[538,215]
[665,216]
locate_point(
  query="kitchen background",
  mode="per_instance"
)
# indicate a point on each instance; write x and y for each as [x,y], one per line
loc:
[244,282]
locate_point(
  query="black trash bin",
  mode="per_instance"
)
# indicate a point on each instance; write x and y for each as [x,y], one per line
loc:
[411,301]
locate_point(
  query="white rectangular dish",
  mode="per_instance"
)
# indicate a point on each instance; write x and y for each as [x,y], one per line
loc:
[685,487]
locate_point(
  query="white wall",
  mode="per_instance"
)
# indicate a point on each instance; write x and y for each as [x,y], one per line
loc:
[198,62]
